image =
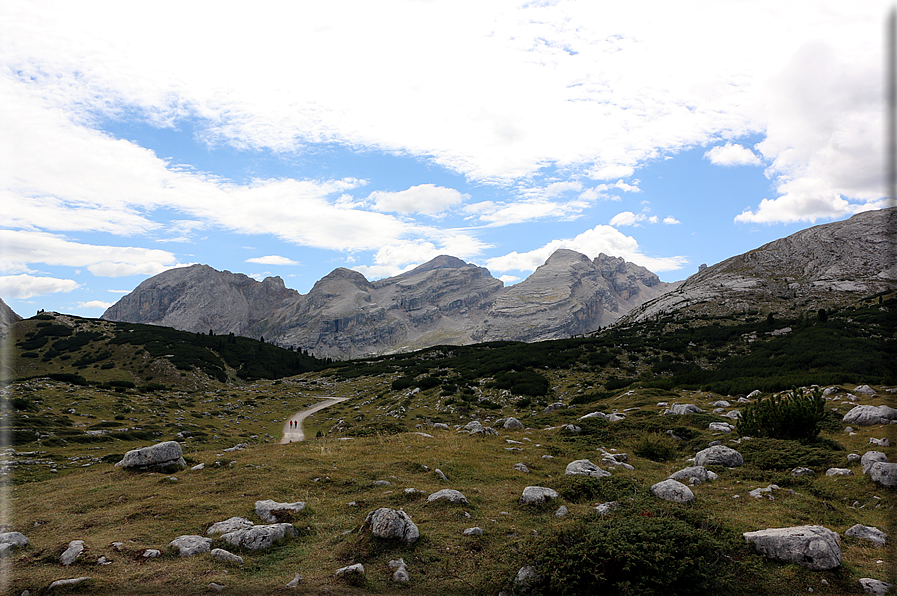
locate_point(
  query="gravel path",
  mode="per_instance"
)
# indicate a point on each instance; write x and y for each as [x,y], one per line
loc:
[295,433]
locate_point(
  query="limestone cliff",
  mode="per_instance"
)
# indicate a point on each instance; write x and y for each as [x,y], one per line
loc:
[820,267]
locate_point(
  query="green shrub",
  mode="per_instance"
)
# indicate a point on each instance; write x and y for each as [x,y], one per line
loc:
[640,555]
[657,447]
[781,454]
[402,383]
[793,415]
[577,488]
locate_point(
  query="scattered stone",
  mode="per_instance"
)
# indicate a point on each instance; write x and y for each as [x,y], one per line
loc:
[350,570]
[838,472]
[865,390]
[521,467]
[555,406]
[734,414]
[672,490]
[215,587]
[391,524]
[152,553]
[537,494]
[513,424]
[758,493]
[721,427]
[229,525]
[448,494]
[562,511]
[605,508]
[525,579]
[474,427]
[475,531]
[198,467]
[440,426]
[294,583]
[679,409]
[400,575]
[74,550]
[10,541]
[875,586]
[869,415]
[380,483]
[880,442]
[802,472]
[884,473]
[571,428]
[274,512]
[601,415]
[872,534]
[189,545]
[118,546]
[814,547]
[696,472]
[853,457]
[226,556]
[259,537]
[103,561]
[719,455]
[159,456]
[439,473]
[583,467]
[871,457]
[59,583]
[721,404]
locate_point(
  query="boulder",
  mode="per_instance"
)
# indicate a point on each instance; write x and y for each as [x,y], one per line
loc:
[871,457]
[719,455]
[400,575]
[884,473]
[537,494]
[190,545]
[158,456]
[351,570]
[259,537]
[62,583]
[814,547]
[721,427]
[583,467]
[802,472]
[601,415]
[391,524]
[571,428]
[274,512]
[869,415]
[883,442]
[521,467]
[864,390]
[699,472]
[513,424]
[10,541]
[838,472]
[734,414]
[605,508]
[672,490]
[229,525]
[448,494]
[474,427]
[679,409]
[225,556]
[873,535]
[555,406]
[74,550]
[875,586]
[474,531]
[562,511]
[440,426]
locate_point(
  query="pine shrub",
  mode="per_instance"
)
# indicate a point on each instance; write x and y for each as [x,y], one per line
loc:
[793,415]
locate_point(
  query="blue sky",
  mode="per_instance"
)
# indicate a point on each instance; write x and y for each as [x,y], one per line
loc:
[293,140]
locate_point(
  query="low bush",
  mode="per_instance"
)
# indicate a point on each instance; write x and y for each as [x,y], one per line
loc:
[577,488]
[657,447]
[792,415]
[782,454]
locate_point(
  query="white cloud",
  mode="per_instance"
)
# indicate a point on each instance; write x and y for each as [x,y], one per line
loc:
[626,218]
[272,260]
[600,239]
[95,304]
[28,286]
[424,198]
[670,220]
[732,155]
[21,248]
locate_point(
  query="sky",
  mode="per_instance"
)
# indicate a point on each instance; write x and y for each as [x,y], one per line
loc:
[291,138]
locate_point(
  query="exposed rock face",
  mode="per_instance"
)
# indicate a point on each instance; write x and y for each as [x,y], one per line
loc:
[159,456]
[819,267]
[443,302]
[7,317]
[813,547]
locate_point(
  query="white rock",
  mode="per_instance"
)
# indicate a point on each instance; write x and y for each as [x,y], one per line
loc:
[721,404]
[161,455]
[74,550]
[391,524]
[872,534]
[226,556]
[672,490]
[875,586]
[721,427]
[880,442]
[59,583]
[259,537]
[802,472]
[272,511]
[229,525]
[512,424]
[838,472]
[475,531]
[871,457]
[351,570]
[294,583]
[400,575]
[605,508]
[562,511]
[537,494]
[152,553]
[13,539]
[190,545]
[884,473]
[583,467]
[448,494]
[869,415]
[521,467]
[679,409]
[814,547]
[754,394]
[699,472]
[865,390]
[719,455]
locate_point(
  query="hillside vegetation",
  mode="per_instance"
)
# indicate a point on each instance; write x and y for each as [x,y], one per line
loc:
[212,393]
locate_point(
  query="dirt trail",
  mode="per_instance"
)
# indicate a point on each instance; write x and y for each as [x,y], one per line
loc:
[295,433]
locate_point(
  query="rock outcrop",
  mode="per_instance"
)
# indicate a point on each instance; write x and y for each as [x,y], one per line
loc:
[820,267]
[160,456]
[814,547]
[442,302]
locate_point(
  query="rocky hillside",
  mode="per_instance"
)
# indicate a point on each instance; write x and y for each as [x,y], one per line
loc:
[7,317]
[443,301]
[825,266]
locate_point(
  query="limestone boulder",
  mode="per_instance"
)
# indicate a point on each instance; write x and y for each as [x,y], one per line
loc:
[875,586]
[871,457]
[190,545]
[391,524]
[721,427]
[10,541]
[259,537]
[679,409]
[537,494]
[814,547]
[225,556]
[512,424]
[884,473]
[229,525]
[583,467]
[869,415]
[448,494]
[699,472]
[672,490]
[719,455]
[74,550]
[870,533]
[274,512]
[159,456]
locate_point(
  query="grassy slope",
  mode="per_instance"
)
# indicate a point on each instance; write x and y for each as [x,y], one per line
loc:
[87,498]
